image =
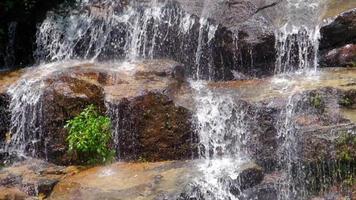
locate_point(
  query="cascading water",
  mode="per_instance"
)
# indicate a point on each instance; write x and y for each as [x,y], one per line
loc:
[291,185]
[221,130]
[297,41]
[112,30]
[26,105]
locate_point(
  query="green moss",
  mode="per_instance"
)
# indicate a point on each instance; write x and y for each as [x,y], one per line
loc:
[345,101]
[346,147]
[353,64]
[316,101]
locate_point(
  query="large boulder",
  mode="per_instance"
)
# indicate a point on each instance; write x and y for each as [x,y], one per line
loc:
[340,57]
[337,44]
[341,31]
[212,39]
[138,97]
[30,178]
[297,120]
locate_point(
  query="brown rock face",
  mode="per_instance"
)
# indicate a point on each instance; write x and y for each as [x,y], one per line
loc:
[340,57]
[137,97]
[340,32]
[29,178]
[151,127]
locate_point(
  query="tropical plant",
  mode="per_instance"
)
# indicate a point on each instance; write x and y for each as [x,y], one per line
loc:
[89,136]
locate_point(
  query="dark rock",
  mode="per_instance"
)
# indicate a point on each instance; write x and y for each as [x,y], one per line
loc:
[339,32]
[261,191]
[64,98]
[44,187]
[340,57]
[18,26]
[152,128]
[4,116]
[250,176]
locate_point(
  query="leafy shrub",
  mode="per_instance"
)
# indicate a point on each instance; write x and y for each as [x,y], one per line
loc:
[89,136]
[345,101]
[317,101]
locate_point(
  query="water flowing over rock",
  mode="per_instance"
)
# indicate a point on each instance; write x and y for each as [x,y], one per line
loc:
[209,100]
[45,99]
[298,38]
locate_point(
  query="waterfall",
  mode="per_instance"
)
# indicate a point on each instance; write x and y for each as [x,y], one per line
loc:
[221,129]
[109,30]
[27,135]
[292,185]
[297,41]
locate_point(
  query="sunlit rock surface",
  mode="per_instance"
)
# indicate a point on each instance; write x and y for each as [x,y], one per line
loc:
[30,178]
[127,181]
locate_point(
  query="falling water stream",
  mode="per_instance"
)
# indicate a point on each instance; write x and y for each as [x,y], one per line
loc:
[103,32]
[298,38]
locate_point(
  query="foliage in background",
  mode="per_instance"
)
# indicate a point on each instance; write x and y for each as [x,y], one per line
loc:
[89,136]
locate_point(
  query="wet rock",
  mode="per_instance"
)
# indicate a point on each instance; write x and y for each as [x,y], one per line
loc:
[245,37]
[4,116]
[261,191]
[152,128]
[30,178]
[316,107]
[127,181]
[12,194]
[147,124]
[250,176]
[64,98]
[6,79]
[339,32]
[340,57]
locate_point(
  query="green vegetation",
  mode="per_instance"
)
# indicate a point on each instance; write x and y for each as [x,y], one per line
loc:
[89,136]
[346,147]
[316,101]
[345,101]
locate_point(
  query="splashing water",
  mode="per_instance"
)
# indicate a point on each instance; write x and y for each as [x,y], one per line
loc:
[297,41]
[26,107]
[220,129]
[110,30]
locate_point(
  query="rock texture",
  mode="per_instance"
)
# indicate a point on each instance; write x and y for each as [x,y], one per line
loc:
[30,178]
[129,181]
[4,116]
[317,121]
[137,96]
[339,32]
[340,57]
[337,45]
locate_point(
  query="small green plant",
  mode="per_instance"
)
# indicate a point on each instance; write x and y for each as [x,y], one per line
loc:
[345,101]
[346,145]
[316,101]
[89,136]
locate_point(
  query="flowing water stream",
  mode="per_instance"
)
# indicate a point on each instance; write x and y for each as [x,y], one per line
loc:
[102,31]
